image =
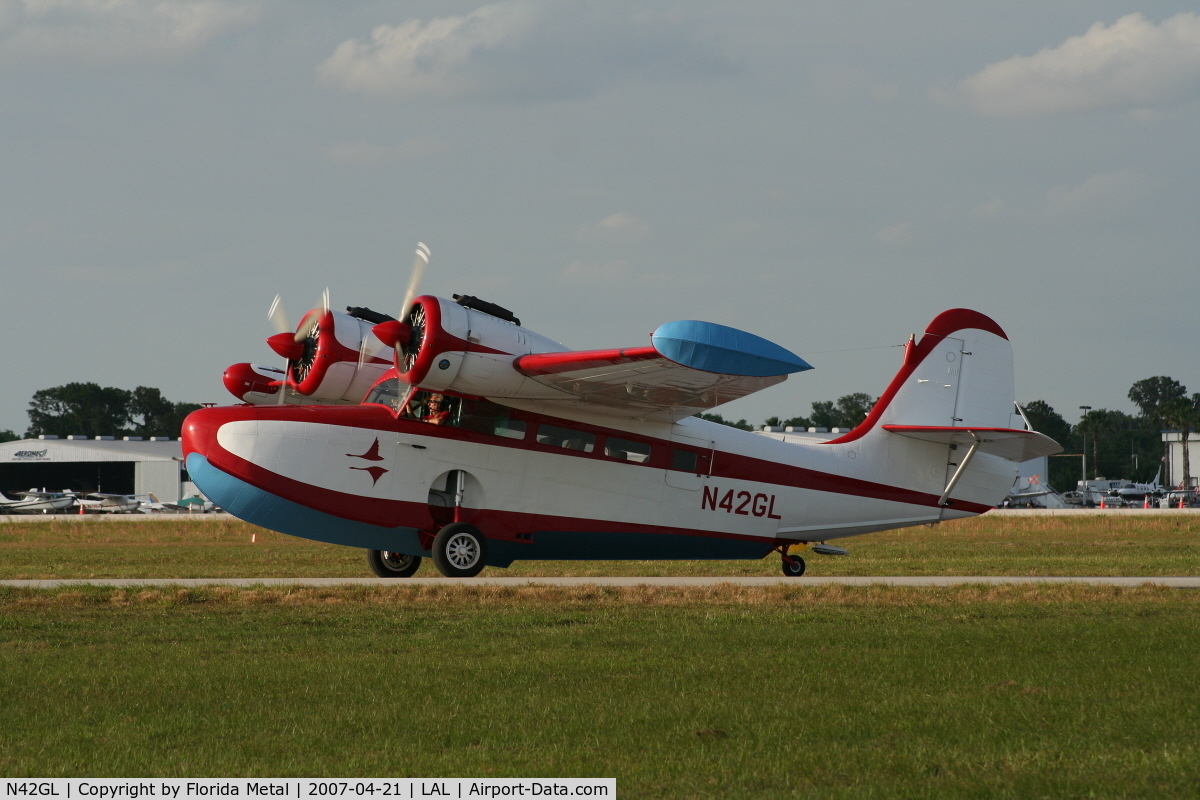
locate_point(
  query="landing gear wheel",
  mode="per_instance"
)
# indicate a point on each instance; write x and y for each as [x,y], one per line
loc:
[793,566]
[386,564]
[459,550]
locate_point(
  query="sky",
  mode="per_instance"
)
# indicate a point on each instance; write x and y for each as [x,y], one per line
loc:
[827,175]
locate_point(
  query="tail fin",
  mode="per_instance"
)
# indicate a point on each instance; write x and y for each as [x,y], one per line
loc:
[960,374]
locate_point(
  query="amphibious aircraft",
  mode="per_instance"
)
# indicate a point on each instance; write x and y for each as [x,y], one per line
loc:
[484,442]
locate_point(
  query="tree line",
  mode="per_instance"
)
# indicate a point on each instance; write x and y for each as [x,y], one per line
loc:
[1119,445]
[88,409]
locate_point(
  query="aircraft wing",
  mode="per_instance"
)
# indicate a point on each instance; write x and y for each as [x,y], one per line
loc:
[1008,443]
[689,367]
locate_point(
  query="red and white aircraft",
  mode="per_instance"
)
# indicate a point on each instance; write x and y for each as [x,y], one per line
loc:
[483,442]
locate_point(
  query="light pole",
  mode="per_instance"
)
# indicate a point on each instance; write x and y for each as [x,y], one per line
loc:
[1084,409]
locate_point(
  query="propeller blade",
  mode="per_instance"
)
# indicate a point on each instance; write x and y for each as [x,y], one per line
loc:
[287,365]
[420,262]
[370,350]
[313,317]
[278,316]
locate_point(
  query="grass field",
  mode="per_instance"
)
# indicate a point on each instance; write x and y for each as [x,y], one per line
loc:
[790,691]
[989,545]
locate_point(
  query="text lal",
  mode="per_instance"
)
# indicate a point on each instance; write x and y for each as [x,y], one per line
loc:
[744,503]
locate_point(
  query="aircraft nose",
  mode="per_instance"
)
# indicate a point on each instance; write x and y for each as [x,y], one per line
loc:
[199,432]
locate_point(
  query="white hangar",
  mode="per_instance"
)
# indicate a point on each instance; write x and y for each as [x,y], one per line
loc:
[100,464]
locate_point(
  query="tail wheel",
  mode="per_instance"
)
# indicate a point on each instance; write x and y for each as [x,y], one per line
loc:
[387,564]
[459,550]
[793,566]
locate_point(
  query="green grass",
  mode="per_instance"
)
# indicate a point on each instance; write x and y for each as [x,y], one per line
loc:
[823,692]
[1156,545]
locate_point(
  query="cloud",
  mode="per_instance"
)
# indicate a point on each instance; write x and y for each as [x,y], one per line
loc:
[114,31]
[616,228]
[363,153]
[416,58]
[1131,64]
[518,49]
[1100,196]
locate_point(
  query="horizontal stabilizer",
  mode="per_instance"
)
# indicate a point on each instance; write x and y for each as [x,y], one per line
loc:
[1007,443]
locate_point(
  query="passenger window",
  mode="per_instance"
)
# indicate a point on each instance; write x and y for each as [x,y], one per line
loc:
[484,416]
[684,460]
[566,438]
[510,428]
[637,452]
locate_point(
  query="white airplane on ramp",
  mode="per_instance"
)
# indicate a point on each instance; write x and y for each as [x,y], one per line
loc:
[485,443]
[36,502]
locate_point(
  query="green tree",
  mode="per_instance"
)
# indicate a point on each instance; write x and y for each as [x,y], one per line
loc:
[1183,413]
[852,409]
[1164,404]
[1044,419]
[93,410]
[79,408]
[1152,394]
[154,415]
[741,424]
[1112,436]
[8,436]
[824,414]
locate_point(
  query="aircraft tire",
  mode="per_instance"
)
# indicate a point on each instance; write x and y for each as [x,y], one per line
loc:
[795,568]
[459,550]
[392,565]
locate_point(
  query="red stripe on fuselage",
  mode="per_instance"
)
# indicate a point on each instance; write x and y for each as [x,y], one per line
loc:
[725,465]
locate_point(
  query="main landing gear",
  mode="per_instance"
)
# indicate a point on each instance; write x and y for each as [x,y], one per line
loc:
[386,564]
[459,551]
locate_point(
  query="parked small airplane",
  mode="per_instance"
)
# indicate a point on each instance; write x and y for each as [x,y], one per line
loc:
[107,503]
[36,502]
[1132,492]
[485,443]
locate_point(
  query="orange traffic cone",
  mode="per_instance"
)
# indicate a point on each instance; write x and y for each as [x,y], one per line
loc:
[1103,504]
[1146,502]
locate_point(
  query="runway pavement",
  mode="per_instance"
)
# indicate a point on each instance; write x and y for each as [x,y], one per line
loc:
[484,580]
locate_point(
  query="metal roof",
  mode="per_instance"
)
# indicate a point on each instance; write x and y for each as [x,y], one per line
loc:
[61,450]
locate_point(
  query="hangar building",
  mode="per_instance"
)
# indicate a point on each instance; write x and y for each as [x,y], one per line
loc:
[101,464]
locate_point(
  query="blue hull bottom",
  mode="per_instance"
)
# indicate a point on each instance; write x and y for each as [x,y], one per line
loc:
[270,511]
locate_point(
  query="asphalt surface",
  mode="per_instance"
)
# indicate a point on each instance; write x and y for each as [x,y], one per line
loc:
[484,580]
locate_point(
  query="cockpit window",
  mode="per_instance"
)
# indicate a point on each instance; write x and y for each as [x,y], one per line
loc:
[481,416]
[386,393]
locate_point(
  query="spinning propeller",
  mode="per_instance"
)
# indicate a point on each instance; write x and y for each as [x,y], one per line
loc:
[298,348]
[404,336]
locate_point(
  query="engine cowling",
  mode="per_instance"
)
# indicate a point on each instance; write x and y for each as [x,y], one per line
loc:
[452,347]
[327,365]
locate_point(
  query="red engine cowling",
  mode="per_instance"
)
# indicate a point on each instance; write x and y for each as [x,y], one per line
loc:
[323,366]
[448,346]
[326,367]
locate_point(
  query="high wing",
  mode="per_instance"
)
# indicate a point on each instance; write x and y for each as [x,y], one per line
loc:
[1008,443]
[689,367]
